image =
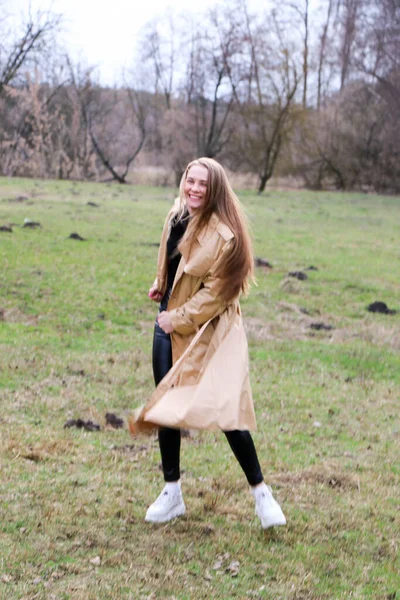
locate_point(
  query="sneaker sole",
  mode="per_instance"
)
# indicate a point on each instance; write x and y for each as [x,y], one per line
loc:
[173,514]
[277,523]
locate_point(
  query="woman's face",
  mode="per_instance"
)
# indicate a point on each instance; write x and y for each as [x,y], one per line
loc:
[195,187]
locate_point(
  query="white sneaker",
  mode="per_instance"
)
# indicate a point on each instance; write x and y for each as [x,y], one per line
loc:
[168,505]
[267,508]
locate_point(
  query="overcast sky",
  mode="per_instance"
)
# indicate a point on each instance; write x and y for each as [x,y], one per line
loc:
[104,33]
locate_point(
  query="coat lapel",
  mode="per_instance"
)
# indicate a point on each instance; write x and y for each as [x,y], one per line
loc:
[198,260]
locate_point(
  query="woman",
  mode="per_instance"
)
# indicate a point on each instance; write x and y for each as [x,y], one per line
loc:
[200,358]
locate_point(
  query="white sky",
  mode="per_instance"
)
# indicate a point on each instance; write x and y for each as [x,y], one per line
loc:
[103,33]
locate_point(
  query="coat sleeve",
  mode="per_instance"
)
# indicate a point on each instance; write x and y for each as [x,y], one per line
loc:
[206,304]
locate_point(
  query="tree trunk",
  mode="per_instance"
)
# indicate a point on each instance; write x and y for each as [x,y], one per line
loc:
[305,56]
[262,183]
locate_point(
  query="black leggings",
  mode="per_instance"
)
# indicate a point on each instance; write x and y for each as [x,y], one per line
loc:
[169,439]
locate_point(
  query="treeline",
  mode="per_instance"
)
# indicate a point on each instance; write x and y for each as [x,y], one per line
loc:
[304,90]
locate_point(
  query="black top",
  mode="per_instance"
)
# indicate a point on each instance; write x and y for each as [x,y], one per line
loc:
[178,228]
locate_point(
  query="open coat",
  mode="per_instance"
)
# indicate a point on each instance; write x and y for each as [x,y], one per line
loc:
[208,385]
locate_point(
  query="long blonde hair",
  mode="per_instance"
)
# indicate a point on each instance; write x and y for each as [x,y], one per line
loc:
[238,269]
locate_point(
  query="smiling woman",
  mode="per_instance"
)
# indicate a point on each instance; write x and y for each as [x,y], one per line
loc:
[195,187]
[200,357]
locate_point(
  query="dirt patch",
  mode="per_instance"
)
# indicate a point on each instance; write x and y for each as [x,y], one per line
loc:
[330,477]
[288,307]
[376,334]
[19,199]
[257,330]
[15,315]
[290,286]
[38,452]
[131,448]
[291,323]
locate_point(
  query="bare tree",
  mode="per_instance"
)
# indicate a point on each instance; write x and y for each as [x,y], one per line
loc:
[304,15]
[198,99]
[115,121]
[32,40]
[379,50]
[300,22]
[209,95]
[264,98]
[159,48]
[349,12]
[323,48]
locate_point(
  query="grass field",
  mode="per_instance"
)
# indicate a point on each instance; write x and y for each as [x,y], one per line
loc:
[75,342]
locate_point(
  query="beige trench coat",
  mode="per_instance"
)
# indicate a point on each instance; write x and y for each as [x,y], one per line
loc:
[208,385]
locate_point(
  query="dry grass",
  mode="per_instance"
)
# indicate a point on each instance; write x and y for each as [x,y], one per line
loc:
[290,323]
[149,175]
[374,333]
[15,315]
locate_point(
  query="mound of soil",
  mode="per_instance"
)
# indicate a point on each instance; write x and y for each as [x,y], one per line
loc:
[113,421]
[81,424]
[298,275]
[31,224]
[321,327]
[380,307]
[262,262]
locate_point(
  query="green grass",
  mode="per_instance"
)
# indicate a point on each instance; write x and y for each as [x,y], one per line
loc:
[75,341]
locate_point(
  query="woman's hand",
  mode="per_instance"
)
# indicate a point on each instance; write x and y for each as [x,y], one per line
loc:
[155,294]
[164,321]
